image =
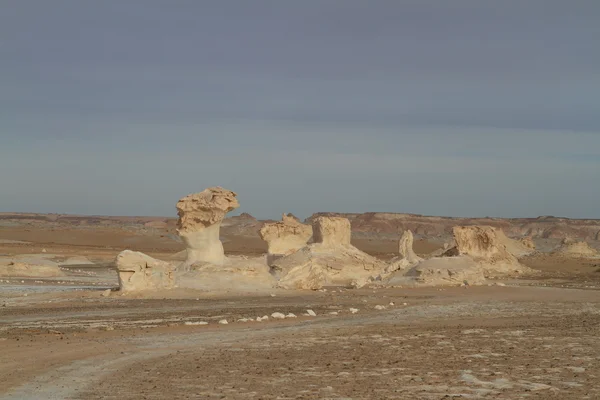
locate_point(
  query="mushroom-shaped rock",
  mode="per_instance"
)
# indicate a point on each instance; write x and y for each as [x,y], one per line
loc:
[200,217]
[330,260]
[138,271]
[284,237]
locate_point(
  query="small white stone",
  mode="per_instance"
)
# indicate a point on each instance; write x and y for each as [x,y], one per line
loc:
[242,320]
[311,313]
[223,322]
[353,310]
[273,295]
[291,315]
[379,307]
[500,284]
[195,323]
[333,313]
[391,303]
[278,315]
[404,304]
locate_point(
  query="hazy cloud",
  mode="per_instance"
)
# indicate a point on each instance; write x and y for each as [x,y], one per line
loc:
[454,108]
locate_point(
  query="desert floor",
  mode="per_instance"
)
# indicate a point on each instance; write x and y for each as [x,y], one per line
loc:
[68,338]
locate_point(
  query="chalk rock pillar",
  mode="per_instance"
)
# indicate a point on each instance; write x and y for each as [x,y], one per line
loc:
[332,231]
[200,217]
[284,237]
[406,248]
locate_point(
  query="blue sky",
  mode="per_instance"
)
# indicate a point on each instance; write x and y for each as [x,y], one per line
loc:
[463,107]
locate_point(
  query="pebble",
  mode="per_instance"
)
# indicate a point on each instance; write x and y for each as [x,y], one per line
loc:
[404,304]
[391,303]
[106,293]
[223,322]
[353,310]
[333,313]
[291,315]
[379,307]
[278,315]
[311,313]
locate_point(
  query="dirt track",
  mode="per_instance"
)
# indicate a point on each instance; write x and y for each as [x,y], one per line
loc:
[486,342]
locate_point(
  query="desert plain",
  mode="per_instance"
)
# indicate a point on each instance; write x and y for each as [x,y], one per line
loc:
[77,335]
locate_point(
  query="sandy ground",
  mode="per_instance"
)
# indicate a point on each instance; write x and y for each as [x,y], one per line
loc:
[480,342]
[68,338]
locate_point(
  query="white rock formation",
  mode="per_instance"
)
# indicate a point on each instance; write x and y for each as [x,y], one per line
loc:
[440,271]
[407,257]
[486,246]
[518,248]
[200,217]
[138,271]
[236,274]
[406,248]
[205,266]
[330,260]
[572,248]
[30,266]
[332,232]
[15,269]
[284,237]
[480,252]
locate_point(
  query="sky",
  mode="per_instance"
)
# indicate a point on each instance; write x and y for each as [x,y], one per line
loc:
[455,108]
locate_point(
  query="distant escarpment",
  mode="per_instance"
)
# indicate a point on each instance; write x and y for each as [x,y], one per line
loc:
[546,227]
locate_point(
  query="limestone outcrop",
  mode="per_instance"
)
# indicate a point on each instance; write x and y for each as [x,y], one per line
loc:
[16,269]
[30,266]
[407,256]
[480,252]
[527,242]
[200,217]
[284,237]
[138,271]
[330,261]
[517,247]
[405,248]
[486,245]
[237,273]
[440,271]
[572,248]
[205,266]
